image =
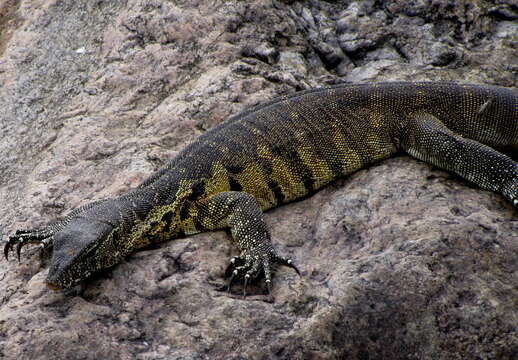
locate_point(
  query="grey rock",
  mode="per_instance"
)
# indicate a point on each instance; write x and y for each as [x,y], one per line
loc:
[307,16]
[293,62]
[387,52]
[400,260]
[370,72]
[263,52]
[507,29]
[442,54]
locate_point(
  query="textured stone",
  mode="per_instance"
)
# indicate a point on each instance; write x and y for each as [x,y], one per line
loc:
[400,260]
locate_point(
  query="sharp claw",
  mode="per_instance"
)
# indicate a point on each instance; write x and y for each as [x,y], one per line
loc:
[234,262]
[7,247]
[229,287]
[251,268]
[23,237]
[269,289]
[19,250]
[228,271]
[290,264]
[247,277]
[42,250]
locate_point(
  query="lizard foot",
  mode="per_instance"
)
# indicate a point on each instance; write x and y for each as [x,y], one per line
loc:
[24,237]
[249,268]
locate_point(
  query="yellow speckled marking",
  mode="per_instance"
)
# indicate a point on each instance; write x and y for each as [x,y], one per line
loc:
[254,180]
[322,174]
[218,182]
[283,174]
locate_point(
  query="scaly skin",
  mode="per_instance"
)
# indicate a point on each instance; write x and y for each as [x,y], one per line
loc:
[281,151]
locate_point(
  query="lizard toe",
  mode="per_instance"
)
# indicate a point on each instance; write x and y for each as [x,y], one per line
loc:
[254,265]
[234,263]
[19,249]
[7,248]
[286,262]
[246,269]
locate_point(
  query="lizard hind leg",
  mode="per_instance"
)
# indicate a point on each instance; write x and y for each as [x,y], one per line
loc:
[428,139]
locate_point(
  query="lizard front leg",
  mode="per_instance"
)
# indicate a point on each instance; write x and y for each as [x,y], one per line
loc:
[43,237]
[241,212]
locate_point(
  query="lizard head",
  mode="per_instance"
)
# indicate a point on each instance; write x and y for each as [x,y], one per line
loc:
[82,248]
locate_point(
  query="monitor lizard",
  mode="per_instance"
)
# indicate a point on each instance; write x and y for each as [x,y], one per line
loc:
[281,151]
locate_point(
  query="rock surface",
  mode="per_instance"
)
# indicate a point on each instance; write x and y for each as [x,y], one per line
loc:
[400,260]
